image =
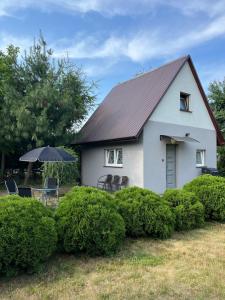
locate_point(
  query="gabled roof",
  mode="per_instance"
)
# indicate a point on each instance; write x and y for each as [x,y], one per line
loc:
[128,106]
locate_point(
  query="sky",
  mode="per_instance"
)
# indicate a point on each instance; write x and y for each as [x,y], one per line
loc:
[113,40]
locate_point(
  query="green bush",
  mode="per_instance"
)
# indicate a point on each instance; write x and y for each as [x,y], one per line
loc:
[211,192]
[27,235]
[88,222]
[144,213]
[188,210]
[203,180]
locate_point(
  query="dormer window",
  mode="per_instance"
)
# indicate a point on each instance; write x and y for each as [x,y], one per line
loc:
[184,102]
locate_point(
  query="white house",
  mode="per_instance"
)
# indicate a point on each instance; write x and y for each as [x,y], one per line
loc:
[157,129]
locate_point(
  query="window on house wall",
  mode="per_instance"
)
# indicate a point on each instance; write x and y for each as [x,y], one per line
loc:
[184,102]
[114,157]
[200,158]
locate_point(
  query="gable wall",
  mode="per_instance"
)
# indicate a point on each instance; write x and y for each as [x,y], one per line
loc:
[168,111]
[169,120]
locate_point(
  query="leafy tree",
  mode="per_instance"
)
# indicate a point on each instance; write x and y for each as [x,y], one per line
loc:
[217,102]
[43,99]
[9,81]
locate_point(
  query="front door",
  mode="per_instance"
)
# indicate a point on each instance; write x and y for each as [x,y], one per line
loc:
[170,166]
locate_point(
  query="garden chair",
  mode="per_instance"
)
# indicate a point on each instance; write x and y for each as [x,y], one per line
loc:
[116,182]
[13,189]
[52,184]
[124,182]
[11,186]
[105,182]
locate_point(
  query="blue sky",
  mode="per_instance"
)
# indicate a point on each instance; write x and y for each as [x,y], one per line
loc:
[115,39]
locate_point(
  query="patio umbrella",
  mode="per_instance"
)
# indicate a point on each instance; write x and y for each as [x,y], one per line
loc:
[48,154]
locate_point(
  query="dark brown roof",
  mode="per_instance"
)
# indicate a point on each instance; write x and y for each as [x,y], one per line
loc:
[123,113]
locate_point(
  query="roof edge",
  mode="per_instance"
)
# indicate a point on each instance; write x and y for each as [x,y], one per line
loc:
[124,139]
[187,57]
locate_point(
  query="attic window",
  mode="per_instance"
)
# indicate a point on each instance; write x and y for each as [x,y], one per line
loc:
[184,102]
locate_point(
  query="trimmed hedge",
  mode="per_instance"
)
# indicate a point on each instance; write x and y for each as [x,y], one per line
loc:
[203,180]
[144,213]
[211,192]
[27,235]
[188,210]
[88,222]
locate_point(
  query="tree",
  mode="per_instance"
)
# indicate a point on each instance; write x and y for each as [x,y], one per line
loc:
[8,102]
[47,98]
[217,103]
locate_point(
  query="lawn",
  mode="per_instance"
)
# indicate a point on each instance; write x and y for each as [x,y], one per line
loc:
[188,266]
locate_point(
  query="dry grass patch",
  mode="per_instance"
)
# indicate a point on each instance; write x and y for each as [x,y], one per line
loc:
[188,266]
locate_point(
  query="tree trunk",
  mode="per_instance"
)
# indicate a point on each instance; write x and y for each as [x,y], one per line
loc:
[3,164]
[28,174]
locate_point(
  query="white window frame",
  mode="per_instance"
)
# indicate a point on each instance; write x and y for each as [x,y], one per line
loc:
[116,153]
[202,154]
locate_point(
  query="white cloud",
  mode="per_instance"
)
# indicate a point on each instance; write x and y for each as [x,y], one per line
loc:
[22,42]
[141,46]
[113,7]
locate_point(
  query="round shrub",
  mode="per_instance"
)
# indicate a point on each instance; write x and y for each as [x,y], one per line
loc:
[211,192]
[88,222]
[188,210]
[27,234]
[144,213]
[203,180]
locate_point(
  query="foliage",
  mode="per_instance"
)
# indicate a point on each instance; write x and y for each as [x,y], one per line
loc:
[42,100]
[28,234]
[221,160]
[144,213]
[217,103]
[211,192]
[203,180]
[88,222]
[67,173]
[188,210]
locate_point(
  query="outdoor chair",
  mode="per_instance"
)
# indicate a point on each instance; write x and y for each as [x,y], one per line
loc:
[11,186]
[13,189]
[124,182]
[105,182]
[116,182]
[52,184]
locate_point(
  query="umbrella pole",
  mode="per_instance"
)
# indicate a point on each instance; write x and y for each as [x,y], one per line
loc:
[29,169]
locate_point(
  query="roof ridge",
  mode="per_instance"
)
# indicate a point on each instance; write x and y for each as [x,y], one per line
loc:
[155,69]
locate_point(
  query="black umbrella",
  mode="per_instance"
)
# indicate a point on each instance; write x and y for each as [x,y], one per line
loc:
[48,154]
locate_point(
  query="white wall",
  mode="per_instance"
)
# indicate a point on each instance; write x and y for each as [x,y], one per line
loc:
[155,154]
[168,110]
[167,119]
[93,164]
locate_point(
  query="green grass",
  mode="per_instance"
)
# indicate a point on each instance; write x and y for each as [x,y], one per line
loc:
[190,265]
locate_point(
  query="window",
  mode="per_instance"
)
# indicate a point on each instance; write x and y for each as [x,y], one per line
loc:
[200,158]
[114,157]
[184,102]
